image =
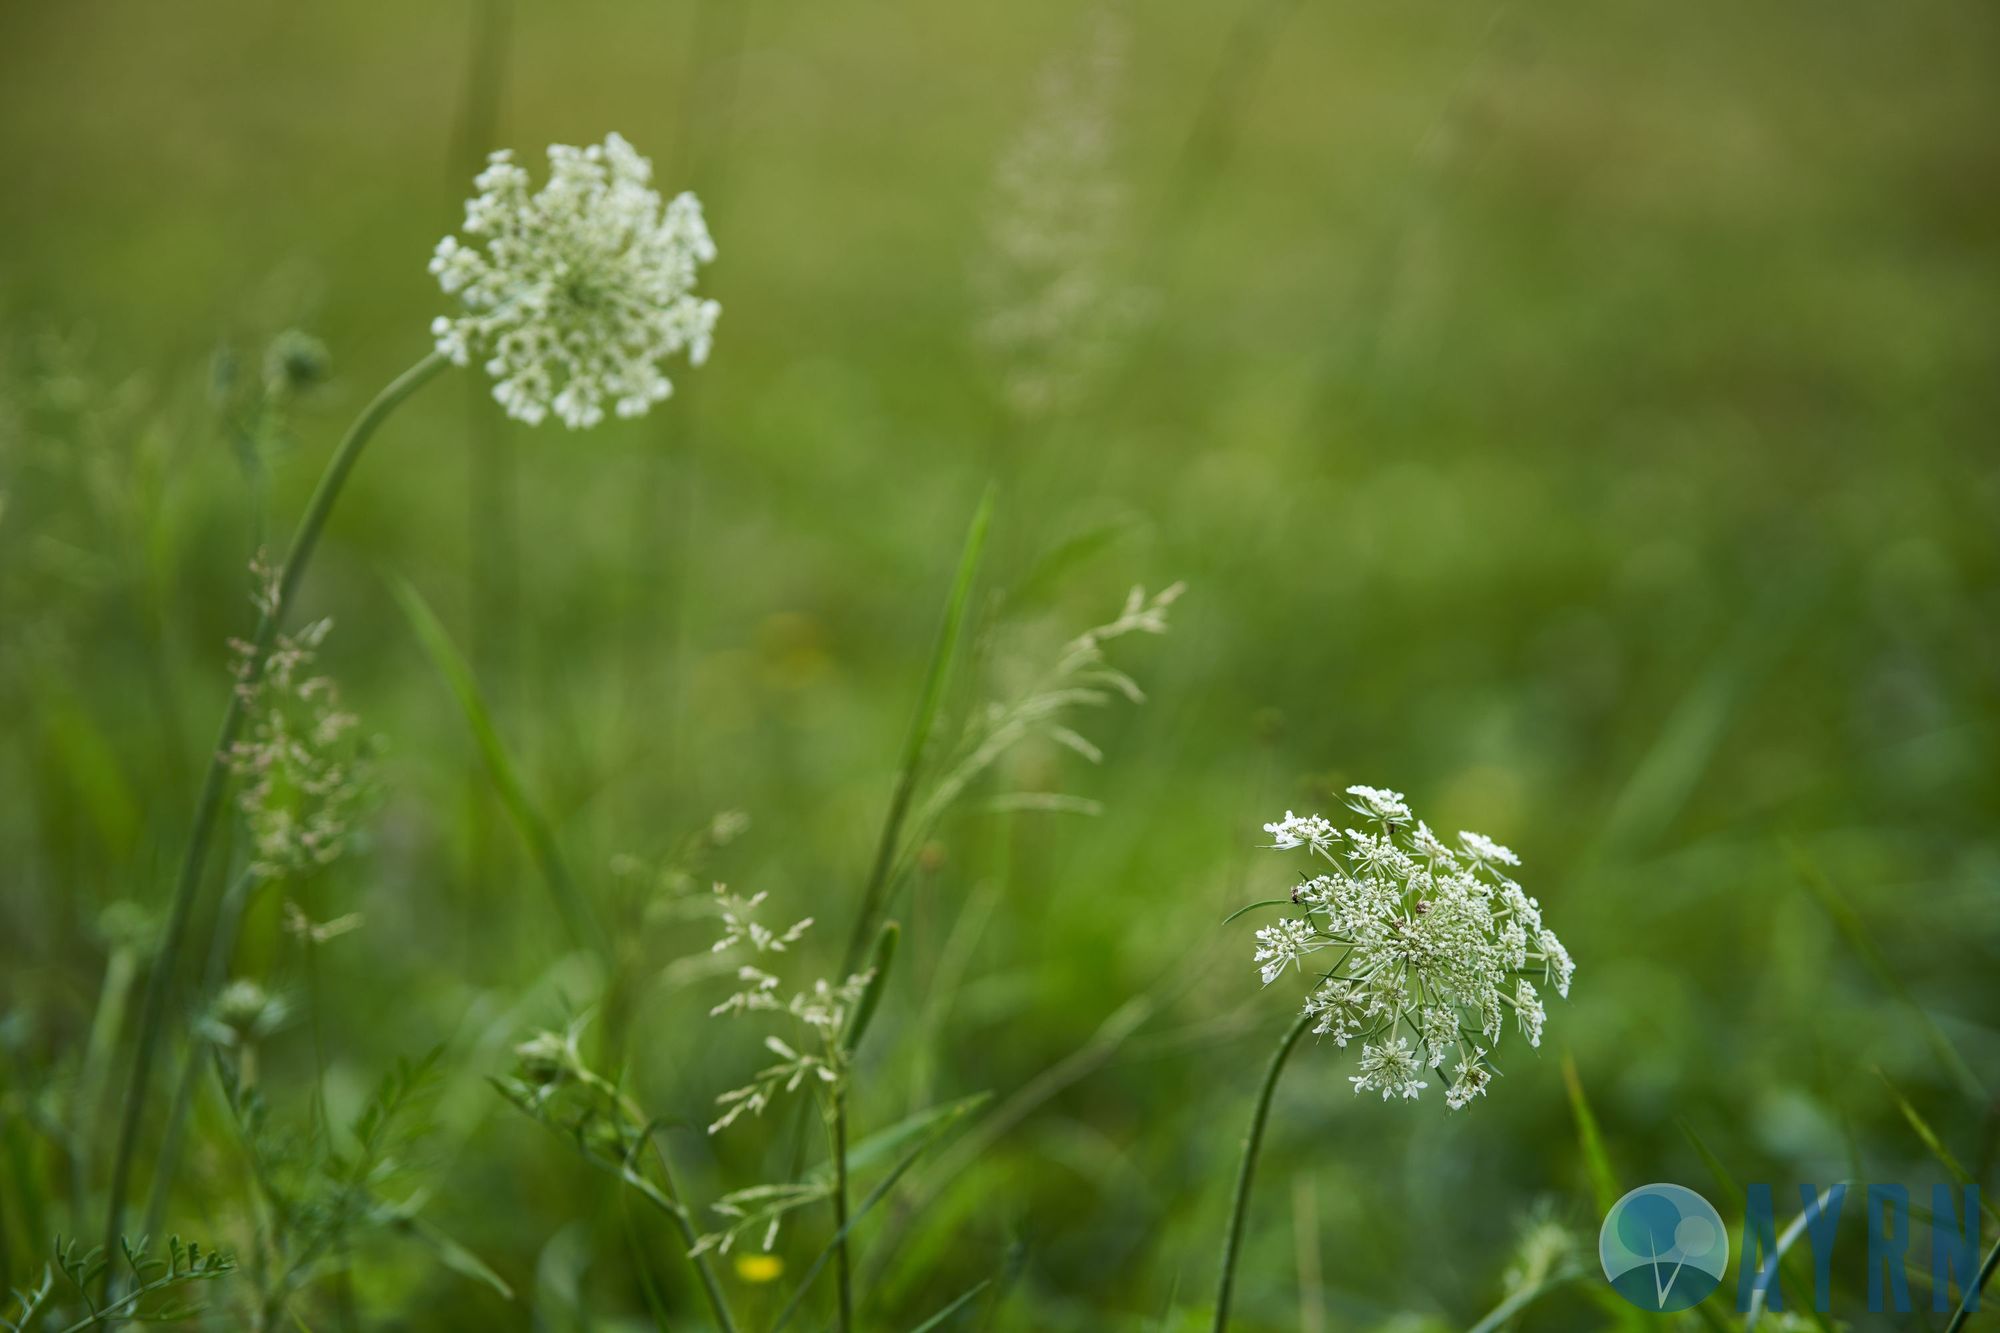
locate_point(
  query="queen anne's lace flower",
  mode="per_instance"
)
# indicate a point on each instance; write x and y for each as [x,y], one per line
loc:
[1431,947]
[1283,945]
[576,292]
[1391,1069]
[1469,1081]
[1380,803]
[1301,831]
[1482,848]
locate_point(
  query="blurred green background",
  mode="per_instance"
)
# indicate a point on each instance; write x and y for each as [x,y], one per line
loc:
[1577,416]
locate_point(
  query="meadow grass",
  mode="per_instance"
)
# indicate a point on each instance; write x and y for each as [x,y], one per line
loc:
[1572,417]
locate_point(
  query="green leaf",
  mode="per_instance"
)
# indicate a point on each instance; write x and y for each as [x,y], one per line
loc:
[455,1256]
[927,1125]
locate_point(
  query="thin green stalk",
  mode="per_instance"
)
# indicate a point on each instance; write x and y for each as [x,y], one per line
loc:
[492,525]
[221,947]
[208,803]
[843,1276]
[712,1288]
[535,828]
[1970,1301]
[113,999]
[1232,1240]
[309,942]
[875,895]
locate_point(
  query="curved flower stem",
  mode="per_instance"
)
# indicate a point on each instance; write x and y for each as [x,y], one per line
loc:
[1233,1239]
[208,803]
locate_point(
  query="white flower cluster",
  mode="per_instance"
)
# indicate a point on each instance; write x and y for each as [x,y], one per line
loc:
[1418,949]
[821,1013]
[575,293]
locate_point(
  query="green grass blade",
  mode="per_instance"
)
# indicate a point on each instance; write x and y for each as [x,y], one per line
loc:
[1966,1303]
[1597,1162]
[1037,588]
[952,1309]
[1689,738]
[926,1125]
[1933,1143]
[1851,927]
[871,996]
[456,1256]
[1735,1197]
[930,703]
[1604,1185]
[1786,1239]
[1251,907]
[1500,1314]
[535,830]
[875,1196]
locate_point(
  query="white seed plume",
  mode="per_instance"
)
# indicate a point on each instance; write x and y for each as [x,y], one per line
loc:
[1057,306]
[1429,947]
[574,294]
[301,766]
[819,1014]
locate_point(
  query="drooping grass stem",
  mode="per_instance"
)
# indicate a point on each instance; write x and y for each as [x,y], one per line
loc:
[1233,1239]
[208,803]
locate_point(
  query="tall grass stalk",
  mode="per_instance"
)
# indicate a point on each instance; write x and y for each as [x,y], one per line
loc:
[221,945]
[536,830]
[492,513]
[1970,1301]
[1232,1239]
[874,895]
[842,1273]
[208,803]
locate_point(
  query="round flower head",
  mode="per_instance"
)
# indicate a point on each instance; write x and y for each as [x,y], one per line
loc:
[575,293]
[1415,949]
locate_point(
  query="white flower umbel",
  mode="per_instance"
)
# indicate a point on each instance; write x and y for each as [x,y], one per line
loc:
[1283,945]
[1391,1069]
[1301,831]
[572,295]
[1416,949]
[1413,948]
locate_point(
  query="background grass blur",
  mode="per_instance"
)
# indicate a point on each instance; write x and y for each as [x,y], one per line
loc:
[1577,416]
